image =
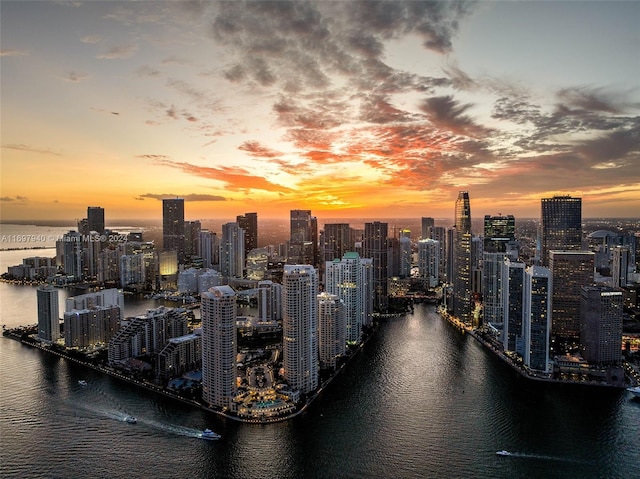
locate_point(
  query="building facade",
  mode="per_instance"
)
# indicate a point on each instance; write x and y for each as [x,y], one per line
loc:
[332,327]
[48,313]
[560,225]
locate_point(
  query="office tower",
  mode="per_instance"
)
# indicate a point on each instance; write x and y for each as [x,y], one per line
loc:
[347,279]
[269,301]
[95,219]
[620,266]
[303,243]
[219,347]
[88,327]
[48,313]
[232,251]
[336,241]
[513,302]
[173,226]
[427,224]
[191,237]
[498,232]
[462,259]
[601,311]
[570,270]
[393,257]
[374,246]
[332,329]
[429,261]
[406,256]
[537,319]
[168,269]
[249,223]
[439,234]
[560,225]
[299,327]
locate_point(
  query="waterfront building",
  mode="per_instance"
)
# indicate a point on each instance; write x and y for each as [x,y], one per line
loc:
[249,223]
[108,265]
[620,265]
[92,244]
[95,219]
[513,305]
[303,240]
[426,224]
[347,279]
[103,298]
[132,271]
[208,279]
[232,251]
[69,254]
[173,235]
[571,270]
[188,280]
[336,241]
[86,328]
[462,259]
[537,319]
[492,283]
[332,328]
[439,234]
[560,225]
[48,313]
[393,257]
[299,327]
[498,232]
[219,346]
[269,301]
[406,255]
[191,237]
[601,309]
[429,261]
[180,355]
[374,246]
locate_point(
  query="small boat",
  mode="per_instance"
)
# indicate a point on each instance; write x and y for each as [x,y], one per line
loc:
[209,435]
[82,382]
[635,391]
[503,453]
[131,419]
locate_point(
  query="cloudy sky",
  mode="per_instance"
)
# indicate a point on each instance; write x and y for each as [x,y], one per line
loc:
[350,109]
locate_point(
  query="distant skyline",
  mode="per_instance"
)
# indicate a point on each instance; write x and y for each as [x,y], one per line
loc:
[348,109]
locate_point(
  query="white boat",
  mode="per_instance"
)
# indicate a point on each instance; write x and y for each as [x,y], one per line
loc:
[209,435]
[635,391]
[503,453]
[82,382]
[131,419]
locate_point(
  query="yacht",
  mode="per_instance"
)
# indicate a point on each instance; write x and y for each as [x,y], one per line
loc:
[635,391]
[209,435]
[131,419]
[503,453]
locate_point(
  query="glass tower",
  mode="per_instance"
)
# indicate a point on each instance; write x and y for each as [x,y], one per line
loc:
[560,225]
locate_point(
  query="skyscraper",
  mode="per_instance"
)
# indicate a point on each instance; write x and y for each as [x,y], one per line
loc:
[601,324]
[348,279]
[337,241]
[537,318]
[48,313]
[191,237]
[303,242]
[95,219]
[300,327]
[498,232]
[374,246]
[173,226]
[513,305]
[219,347]
[560,225]
[269,301]
[331,329]
[249,223]
[570,270]
[426,224]
[462,259]
[232,251]
[429,261]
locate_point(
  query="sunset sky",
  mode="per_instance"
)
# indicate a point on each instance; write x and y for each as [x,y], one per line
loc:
[349,109]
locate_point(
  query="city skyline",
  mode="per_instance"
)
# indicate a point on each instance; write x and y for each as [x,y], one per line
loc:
[347,109]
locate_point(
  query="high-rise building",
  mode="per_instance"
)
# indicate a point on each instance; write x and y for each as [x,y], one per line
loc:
[191,237]
[300,327]
[95,219]
[219,346]
[513,304]
[462,259]
[173,235]
[560,225]
[336,241]
[374,246]
[537,318]
[249,223]
[232,251]
[406,256]
[570,270]
[348,278]
[429,261]
[205,248]
[331,330]
[439,234]
[102,298]
[269,301]
[48,313]
[492,284]
[620,264]
[303,242]
[498,232]
[426,224]
[601,310]
[69,254]
[84,328]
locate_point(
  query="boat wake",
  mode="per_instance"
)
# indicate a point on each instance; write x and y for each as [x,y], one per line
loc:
[542,457]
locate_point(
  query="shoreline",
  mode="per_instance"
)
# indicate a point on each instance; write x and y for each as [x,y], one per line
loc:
[463,328]
[33,343]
